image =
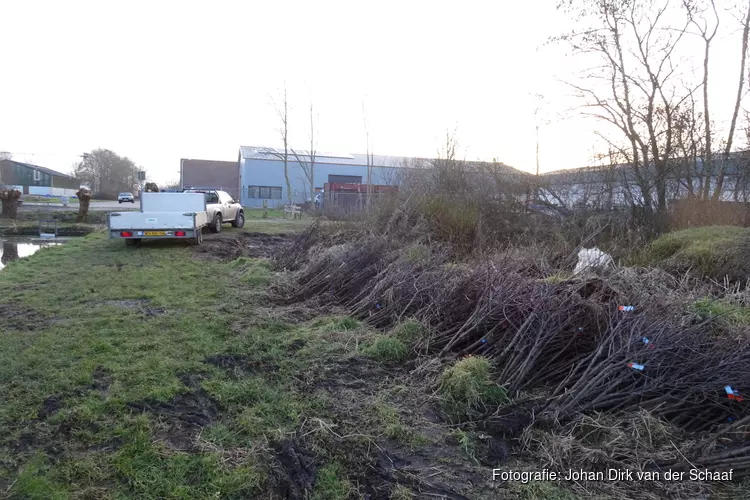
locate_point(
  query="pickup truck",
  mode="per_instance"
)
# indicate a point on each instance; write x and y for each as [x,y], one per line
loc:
[221,208]
[175,215]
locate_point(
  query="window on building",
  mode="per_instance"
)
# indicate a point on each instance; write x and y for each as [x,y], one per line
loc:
[264,192]
[37,175]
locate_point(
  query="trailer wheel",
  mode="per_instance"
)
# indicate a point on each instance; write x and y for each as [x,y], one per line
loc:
[216,224]
[198,236]
[134,242]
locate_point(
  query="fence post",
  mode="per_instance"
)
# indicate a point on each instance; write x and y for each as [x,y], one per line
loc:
[265,209]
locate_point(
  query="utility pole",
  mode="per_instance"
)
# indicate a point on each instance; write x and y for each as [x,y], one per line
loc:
[537,110]
[369,161]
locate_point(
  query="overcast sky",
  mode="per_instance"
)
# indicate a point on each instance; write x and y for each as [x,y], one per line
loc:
[158,81]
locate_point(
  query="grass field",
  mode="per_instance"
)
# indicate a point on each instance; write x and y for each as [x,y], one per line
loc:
[163,372]
[30,198]
[166,371]
[89,369]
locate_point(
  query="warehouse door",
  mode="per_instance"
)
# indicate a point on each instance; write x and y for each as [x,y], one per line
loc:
[345,179]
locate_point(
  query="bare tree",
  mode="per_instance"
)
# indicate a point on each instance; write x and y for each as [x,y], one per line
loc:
[306,159]
[707,31]
[737,103]
[282,110]
[636,94]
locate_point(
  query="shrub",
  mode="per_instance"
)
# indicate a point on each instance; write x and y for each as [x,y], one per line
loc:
[388,350]
[409,331]
[466,388]
[451,220]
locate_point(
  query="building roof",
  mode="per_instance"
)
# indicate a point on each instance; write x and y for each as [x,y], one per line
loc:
[266,153]
[737,160]
[42,169]
[263,153]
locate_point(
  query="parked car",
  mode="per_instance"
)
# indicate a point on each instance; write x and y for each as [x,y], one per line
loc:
[122,197]
[221,208]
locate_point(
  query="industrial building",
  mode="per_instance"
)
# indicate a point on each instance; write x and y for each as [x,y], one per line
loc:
[262,173]
[258,174]
[36,180]
[214,174]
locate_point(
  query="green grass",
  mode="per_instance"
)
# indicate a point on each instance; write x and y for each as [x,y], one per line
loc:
[536,490]
[400,492]
[257,213]
[554,279]
[332,484]
[275,225]
[410,332]
[696,240]
[41,199]
[465,442]
[253,271]
[467,388]
[722,311]
[388,350]
[389,422]
[712,251]
[145,317]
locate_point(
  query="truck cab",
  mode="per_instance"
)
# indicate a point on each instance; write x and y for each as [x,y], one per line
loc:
[220,207]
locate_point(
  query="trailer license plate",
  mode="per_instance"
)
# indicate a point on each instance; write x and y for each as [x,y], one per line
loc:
[154,233]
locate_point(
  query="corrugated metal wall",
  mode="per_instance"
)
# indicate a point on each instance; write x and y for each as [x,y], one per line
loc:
[12,173]
[270,173]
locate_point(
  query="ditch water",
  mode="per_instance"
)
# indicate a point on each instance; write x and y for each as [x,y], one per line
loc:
[17,248]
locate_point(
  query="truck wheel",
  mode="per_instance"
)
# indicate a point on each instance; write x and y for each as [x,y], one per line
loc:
[216,224]
[239,221]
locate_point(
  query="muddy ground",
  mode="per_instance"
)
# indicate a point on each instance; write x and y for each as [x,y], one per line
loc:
[230,246]
[422,455]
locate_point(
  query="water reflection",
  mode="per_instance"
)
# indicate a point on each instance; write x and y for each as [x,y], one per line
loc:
[14,250]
